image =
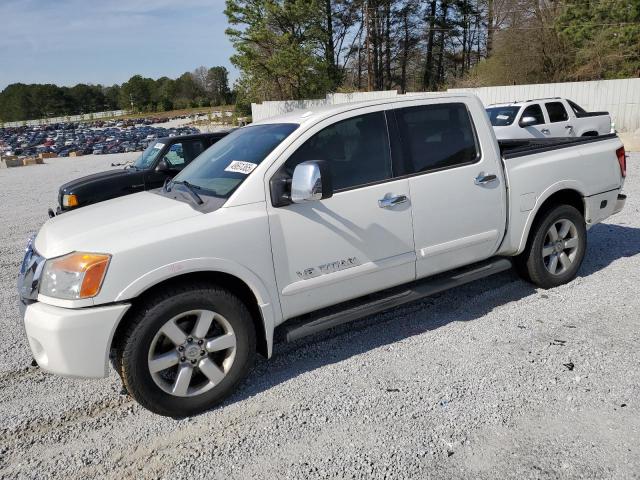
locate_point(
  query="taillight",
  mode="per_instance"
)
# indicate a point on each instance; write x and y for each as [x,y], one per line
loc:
[622,160]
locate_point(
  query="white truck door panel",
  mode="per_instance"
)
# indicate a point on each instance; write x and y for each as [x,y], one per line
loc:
[559,124]
[458,191]
[339,248]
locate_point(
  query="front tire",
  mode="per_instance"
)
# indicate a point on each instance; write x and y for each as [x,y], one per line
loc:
[555,251]
[187,349]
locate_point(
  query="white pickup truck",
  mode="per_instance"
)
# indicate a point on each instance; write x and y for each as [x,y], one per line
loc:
[300,223]
[547,118]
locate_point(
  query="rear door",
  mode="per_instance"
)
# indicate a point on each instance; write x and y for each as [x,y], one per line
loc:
[354,243]
[455,181]
[559,124]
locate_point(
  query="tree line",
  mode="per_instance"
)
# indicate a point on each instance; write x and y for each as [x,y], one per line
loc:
[202,87]
[292,49]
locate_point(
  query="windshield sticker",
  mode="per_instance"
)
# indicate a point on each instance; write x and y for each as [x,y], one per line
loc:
[503,117]
[241,167]
[158,145]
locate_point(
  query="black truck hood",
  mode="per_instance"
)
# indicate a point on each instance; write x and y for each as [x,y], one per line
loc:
[108,176]
[104,186]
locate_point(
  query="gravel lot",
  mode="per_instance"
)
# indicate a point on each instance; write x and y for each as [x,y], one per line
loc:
[494,380]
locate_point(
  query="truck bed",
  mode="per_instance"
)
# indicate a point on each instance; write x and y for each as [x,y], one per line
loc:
[529,146]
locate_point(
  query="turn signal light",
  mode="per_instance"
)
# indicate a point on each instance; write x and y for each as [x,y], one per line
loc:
[69,200]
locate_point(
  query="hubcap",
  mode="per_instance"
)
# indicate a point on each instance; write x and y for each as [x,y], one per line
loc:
[560,246]
[192,353]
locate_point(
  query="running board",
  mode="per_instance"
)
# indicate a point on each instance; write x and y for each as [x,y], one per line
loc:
[416,291]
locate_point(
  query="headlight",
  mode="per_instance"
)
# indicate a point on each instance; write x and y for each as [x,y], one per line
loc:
[74,276]
[69,200]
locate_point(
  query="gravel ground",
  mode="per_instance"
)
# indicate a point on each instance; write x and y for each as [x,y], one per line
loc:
[493,380]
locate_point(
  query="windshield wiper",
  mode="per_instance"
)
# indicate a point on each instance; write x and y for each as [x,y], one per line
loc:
[191,189]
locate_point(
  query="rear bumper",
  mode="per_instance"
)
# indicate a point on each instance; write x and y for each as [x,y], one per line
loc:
[622,199]
[72,342]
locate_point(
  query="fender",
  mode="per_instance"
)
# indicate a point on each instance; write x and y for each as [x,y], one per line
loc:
[269,309]
[541,198]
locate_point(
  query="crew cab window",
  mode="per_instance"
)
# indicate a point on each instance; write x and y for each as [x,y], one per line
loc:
[557,112]
[357,150]
[533,111]
[436,136]
[175,155]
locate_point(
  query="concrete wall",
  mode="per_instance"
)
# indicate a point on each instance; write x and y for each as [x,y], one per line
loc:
[621,98]
[69,118]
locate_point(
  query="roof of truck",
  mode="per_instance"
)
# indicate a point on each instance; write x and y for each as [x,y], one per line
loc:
[519,103]
[320,112]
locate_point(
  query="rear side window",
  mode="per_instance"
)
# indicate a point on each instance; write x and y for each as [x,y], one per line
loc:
[436,136]
[357,150]
[557,112]
[534,111]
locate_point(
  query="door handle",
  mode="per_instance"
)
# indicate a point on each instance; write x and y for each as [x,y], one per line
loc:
[483,179]
[390,200]
[569,127]
[545,131]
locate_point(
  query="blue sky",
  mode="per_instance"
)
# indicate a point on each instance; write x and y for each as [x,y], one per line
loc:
[107,41]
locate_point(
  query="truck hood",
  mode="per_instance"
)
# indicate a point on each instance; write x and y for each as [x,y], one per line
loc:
[91,228]
[96,177]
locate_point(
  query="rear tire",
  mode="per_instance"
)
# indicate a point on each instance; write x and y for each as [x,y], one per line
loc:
[556,247]
[186,350]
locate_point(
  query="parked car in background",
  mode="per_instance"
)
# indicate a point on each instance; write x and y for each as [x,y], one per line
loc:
[304,222]
[546,118]
[162,159]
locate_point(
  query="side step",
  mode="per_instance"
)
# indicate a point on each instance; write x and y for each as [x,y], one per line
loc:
[415,291]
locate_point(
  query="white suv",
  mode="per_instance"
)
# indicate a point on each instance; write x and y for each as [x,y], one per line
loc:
[546,118]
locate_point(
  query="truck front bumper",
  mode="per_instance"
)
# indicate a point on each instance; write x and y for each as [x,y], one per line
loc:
[622,199]
[72,342]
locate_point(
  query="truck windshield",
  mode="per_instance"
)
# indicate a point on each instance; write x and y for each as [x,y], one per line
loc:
[220,169]
[147,158]
[502,116]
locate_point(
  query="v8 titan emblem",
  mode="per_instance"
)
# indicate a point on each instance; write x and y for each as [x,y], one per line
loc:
[326,268]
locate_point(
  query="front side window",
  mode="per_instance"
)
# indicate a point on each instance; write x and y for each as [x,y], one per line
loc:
[147,158]
[357,150]
[224,166]
[533,111]
[557,112]
[436,136]
[502,116]
[175,156]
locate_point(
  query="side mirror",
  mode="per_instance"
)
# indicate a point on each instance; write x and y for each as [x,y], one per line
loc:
[163,167]
[528,121]
[311,181]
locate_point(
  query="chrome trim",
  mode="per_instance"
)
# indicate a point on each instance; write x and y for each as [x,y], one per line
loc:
[306,184]
[483,179]
[390,200]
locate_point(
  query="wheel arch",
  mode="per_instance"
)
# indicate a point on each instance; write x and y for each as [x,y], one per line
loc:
[550,199]
[250,290]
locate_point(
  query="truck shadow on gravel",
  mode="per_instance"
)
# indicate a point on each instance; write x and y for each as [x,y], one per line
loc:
[606,244]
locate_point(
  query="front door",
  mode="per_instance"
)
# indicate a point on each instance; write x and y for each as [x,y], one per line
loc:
[356,242]
[456,184]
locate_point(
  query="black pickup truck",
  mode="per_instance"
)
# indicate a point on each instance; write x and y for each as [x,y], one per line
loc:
[162,159]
